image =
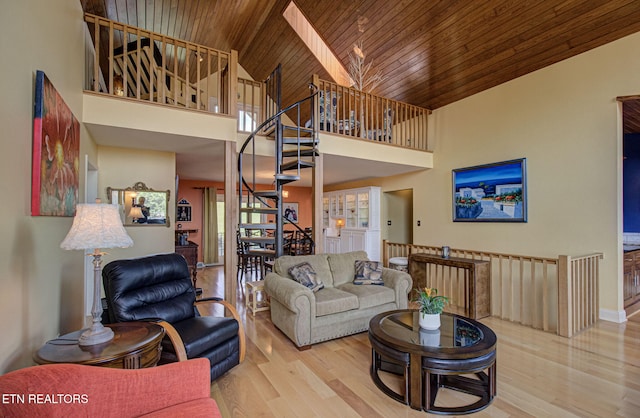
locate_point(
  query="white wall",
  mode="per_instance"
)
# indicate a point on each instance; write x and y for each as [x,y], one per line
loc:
[122,167]
[41,286]
[564,119]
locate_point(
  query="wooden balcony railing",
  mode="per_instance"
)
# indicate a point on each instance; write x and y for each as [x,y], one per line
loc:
[555,295]
[350,112]
[131,62]
[250,105]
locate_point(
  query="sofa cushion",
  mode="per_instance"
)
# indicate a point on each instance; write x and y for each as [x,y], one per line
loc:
[331,300]
[368,272]
[304,274]
[369,296]
[319,263]
[343,266]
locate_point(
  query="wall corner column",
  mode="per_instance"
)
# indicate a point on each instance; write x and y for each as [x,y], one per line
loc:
[317,190]
[230,220]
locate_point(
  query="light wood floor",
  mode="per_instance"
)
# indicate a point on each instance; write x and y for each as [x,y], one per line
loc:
[594,374]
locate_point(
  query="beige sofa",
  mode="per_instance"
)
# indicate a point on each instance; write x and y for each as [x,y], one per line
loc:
[340,308]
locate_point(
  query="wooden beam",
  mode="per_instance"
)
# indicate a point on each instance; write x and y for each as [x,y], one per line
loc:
[230,220]
[565,318]
[318,175]
[233,83]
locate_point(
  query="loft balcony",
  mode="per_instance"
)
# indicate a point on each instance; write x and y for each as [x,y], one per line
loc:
[147,90]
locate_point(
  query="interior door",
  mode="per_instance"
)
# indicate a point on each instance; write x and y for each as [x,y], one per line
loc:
[399,216]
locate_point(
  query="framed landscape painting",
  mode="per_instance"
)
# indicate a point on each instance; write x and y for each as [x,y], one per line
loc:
[491,193]
[56,153]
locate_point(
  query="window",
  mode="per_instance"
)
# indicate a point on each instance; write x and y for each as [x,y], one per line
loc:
[247,120]
[316,44]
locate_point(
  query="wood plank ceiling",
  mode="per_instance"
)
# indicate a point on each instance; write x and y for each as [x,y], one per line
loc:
[631,116]
[431,53]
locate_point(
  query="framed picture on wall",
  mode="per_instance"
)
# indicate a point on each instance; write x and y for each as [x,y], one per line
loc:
[494,192]
[290,212]
[56,153]
[183,211]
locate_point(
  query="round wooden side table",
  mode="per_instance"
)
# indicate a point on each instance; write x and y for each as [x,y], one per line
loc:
[135,345]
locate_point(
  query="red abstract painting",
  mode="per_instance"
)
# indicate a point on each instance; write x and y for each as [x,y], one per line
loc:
[56,153]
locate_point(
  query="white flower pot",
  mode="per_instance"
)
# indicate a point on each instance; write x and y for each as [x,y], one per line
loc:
[429,321]
[430,337]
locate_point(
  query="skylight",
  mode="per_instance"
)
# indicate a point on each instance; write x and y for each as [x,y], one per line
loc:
[316,44]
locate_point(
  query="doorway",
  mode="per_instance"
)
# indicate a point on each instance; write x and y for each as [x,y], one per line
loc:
[631,202]
[398,214]
[220,218]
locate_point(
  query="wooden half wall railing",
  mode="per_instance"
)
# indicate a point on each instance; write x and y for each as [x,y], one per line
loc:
[255,104]
[130,62]
[558,295]
[127,61]
[250,104]
[359,115]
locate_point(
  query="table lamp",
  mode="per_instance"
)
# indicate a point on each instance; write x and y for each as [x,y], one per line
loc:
[136,213]
[96,226]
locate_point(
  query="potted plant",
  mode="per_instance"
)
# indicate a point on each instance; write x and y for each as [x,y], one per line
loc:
[431,306]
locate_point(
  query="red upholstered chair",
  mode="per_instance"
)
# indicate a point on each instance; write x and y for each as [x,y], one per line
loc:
[180,389]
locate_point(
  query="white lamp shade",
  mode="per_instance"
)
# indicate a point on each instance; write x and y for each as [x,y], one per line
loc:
[136,212]
[96,225]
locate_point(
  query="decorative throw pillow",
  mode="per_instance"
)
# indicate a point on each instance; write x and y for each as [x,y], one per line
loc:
[304,274]
[368,272]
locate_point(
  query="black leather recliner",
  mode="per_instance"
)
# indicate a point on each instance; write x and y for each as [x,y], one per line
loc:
[159,288]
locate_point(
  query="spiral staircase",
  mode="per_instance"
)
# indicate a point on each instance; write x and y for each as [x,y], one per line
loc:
[296,148]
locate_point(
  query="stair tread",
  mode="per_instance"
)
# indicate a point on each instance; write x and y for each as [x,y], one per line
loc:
[288,128]
[307,152]
[258,226]
[309,142]
[259,210]
[266,193]
[307,137]
[259,240]
[287,177]
[269,130]
[296,128]
[294,165]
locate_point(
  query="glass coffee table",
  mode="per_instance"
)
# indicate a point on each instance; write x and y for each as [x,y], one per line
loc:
[460,355]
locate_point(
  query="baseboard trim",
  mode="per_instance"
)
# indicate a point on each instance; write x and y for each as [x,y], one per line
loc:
[613,316]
